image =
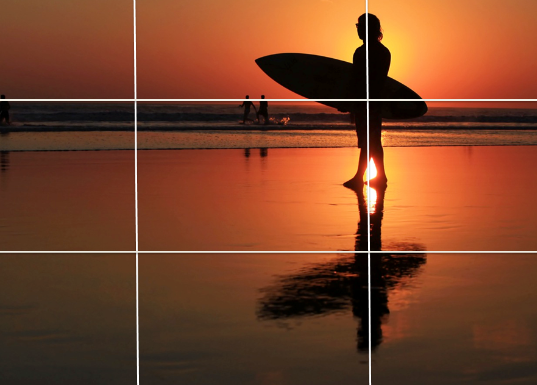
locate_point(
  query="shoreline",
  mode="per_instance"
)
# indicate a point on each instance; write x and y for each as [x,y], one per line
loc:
[254,148]
[261,128]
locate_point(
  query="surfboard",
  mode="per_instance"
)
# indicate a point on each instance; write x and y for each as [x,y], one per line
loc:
[319,77]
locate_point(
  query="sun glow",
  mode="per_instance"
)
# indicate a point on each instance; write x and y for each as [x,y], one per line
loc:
[372,169]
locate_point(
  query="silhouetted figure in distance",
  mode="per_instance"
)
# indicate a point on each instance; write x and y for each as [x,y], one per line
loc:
[4,110]
[379,65]
[247,104]
[263,110]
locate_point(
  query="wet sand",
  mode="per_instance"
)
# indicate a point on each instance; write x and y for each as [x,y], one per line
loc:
[438,199]
[280,318]
[68,319]
[76,200]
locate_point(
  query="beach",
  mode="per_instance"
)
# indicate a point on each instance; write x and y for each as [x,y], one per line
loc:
[475,198]
[68,318]
[437,199]
[429,315]
[302,318]
[460,179]
[67,200]
[181,197]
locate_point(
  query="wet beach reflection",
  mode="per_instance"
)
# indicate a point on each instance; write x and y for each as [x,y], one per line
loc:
[341,285]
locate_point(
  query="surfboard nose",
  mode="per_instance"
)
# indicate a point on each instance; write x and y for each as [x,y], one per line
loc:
[276,62]
[263,61]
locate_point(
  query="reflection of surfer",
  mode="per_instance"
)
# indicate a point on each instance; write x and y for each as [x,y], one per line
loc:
[356,282]
[4,110]
[263,110]
[247,104]
[379,64]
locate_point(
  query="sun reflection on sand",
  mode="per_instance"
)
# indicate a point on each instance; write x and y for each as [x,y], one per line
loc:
[370,193]
[371,196]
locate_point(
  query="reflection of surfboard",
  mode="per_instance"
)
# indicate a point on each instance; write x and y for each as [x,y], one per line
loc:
[318,77]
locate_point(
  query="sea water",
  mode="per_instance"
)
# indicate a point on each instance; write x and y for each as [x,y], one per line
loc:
[111,126]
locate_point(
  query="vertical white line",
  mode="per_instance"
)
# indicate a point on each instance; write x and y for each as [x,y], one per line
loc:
[136,198]
[368,189]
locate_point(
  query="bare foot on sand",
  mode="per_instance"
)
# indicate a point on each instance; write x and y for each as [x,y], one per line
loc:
[354,183]
[378,182]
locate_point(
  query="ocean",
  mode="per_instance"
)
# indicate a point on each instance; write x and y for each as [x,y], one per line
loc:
[110,126]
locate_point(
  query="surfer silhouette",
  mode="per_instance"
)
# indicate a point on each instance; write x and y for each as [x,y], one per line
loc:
[4,110]
[263,110]
[247,104]
[379,65]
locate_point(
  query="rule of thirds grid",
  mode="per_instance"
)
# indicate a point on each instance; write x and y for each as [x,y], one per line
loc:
[135,101]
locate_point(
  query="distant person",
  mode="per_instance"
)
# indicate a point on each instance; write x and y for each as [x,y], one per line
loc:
[4,110]
[247,104]
[379,65]
[263,110]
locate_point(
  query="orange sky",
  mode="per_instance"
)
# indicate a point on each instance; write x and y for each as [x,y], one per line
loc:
[67,49]
[441,49]
[207,48]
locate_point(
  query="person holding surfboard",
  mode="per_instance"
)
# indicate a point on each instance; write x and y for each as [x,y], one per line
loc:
[379,65]
[247,104]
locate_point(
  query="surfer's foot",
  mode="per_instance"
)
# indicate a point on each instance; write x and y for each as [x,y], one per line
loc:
[378,182]
[354,183]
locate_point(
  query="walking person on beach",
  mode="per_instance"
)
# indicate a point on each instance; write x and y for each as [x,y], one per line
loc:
[263,110]
[247,104]
[4,110]
[379,65]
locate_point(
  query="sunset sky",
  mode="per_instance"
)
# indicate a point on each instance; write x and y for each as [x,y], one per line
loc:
[67,49]
[206,48]
[441,49]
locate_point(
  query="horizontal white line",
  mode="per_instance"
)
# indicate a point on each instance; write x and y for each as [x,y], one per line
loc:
[66,252]
[338,100]
[70,100]
[267,100]
[271,252]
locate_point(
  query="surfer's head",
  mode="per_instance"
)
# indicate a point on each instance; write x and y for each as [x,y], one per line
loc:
[247,96]
[262,96]
[3,96]
[374,30]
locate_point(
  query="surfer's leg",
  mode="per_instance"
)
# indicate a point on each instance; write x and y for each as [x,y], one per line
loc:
[375,144]
[377,153]
[362,164]
[357,181]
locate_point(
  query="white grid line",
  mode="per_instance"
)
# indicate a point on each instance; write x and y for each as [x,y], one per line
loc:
[270,252]
[136,195]
[368,179]
[258,100]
